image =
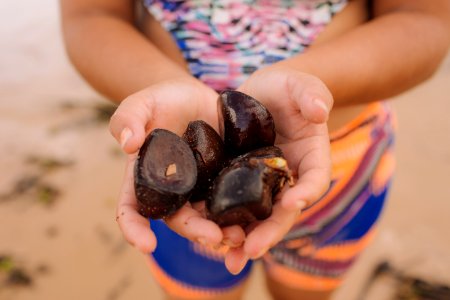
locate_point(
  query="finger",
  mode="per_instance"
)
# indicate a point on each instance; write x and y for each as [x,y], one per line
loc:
[270,231]
[190,224]
[310,187]
[199,206]
[309,94]
[314,172]
[135,228]
[129,122]
[233,236]
[235,260]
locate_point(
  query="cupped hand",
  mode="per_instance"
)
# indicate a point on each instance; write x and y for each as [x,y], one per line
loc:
[300,104]
[170,105]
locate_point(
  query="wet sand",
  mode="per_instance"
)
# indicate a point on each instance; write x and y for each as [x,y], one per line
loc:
[61,171]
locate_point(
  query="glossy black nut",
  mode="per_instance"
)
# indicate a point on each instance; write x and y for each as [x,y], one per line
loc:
[164,175]
[245,124]
[243,192]
[209,154]
[239,196]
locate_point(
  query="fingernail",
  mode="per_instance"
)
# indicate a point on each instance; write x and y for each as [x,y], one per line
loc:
[321,104]
[125,135]
[201,241]
[300,204]
[261,253]
[242,266]
[218,246]
[230,243]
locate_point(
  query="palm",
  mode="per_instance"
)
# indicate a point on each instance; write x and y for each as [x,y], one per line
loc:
[303,142]
[170,105]
[303,136]
[173,107]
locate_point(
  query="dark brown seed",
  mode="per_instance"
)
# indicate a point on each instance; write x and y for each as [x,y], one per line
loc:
[164,175]
[245,124]
[209,154]
[243,192]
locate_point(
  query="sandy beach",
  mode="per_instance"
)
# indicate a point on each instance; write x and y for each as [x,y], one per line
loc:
[61,172]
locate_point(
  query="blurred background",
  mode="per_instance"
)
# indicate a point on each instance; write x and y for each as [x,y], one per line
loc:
[60,174]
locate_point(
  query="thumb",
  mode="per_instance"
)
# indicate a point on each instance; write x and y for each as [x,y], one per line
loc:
[129,122]
[311,96]
[307,92]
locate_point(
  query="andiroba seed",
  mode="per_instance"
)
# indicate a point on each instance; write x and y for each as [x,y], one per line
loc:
[164,175]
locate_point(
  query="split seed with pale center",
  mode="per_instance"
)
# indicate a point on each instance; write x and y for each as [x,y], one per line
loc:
[171,169]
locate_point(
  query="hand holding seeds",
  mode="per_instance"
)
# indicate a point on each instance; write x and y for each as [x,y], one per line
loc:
[302,141]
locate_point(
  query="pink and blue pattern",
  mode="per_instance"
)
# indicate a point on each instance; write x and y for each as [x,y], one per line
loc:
[224,41]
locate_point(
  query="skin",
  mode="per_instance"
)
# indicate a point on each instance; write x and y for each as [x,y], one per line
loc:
[155,89]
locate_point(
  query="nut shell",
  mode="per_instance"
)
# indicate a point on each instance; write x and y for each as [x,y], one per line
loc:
[244,123]
[243,192]
[164,175]
[209,153]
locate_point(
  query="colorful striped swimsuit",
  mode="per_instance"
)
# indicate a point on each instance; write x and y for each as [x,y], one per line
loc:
[223,42]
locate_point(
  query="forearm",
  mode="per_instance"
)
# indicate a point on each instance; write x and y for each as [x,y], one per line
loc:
[379,59]
[113,56]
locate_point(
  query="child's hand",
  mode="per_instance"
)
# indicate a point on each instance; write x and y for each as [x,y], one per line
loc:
[170,105]
[299,104]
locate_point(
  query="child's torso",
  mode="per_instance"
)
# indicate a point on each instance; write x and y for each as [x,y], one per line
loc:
[224,41]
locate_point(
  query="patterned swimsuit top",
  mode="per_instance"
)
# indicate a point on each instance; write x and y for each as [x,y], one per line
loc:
[224,41]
